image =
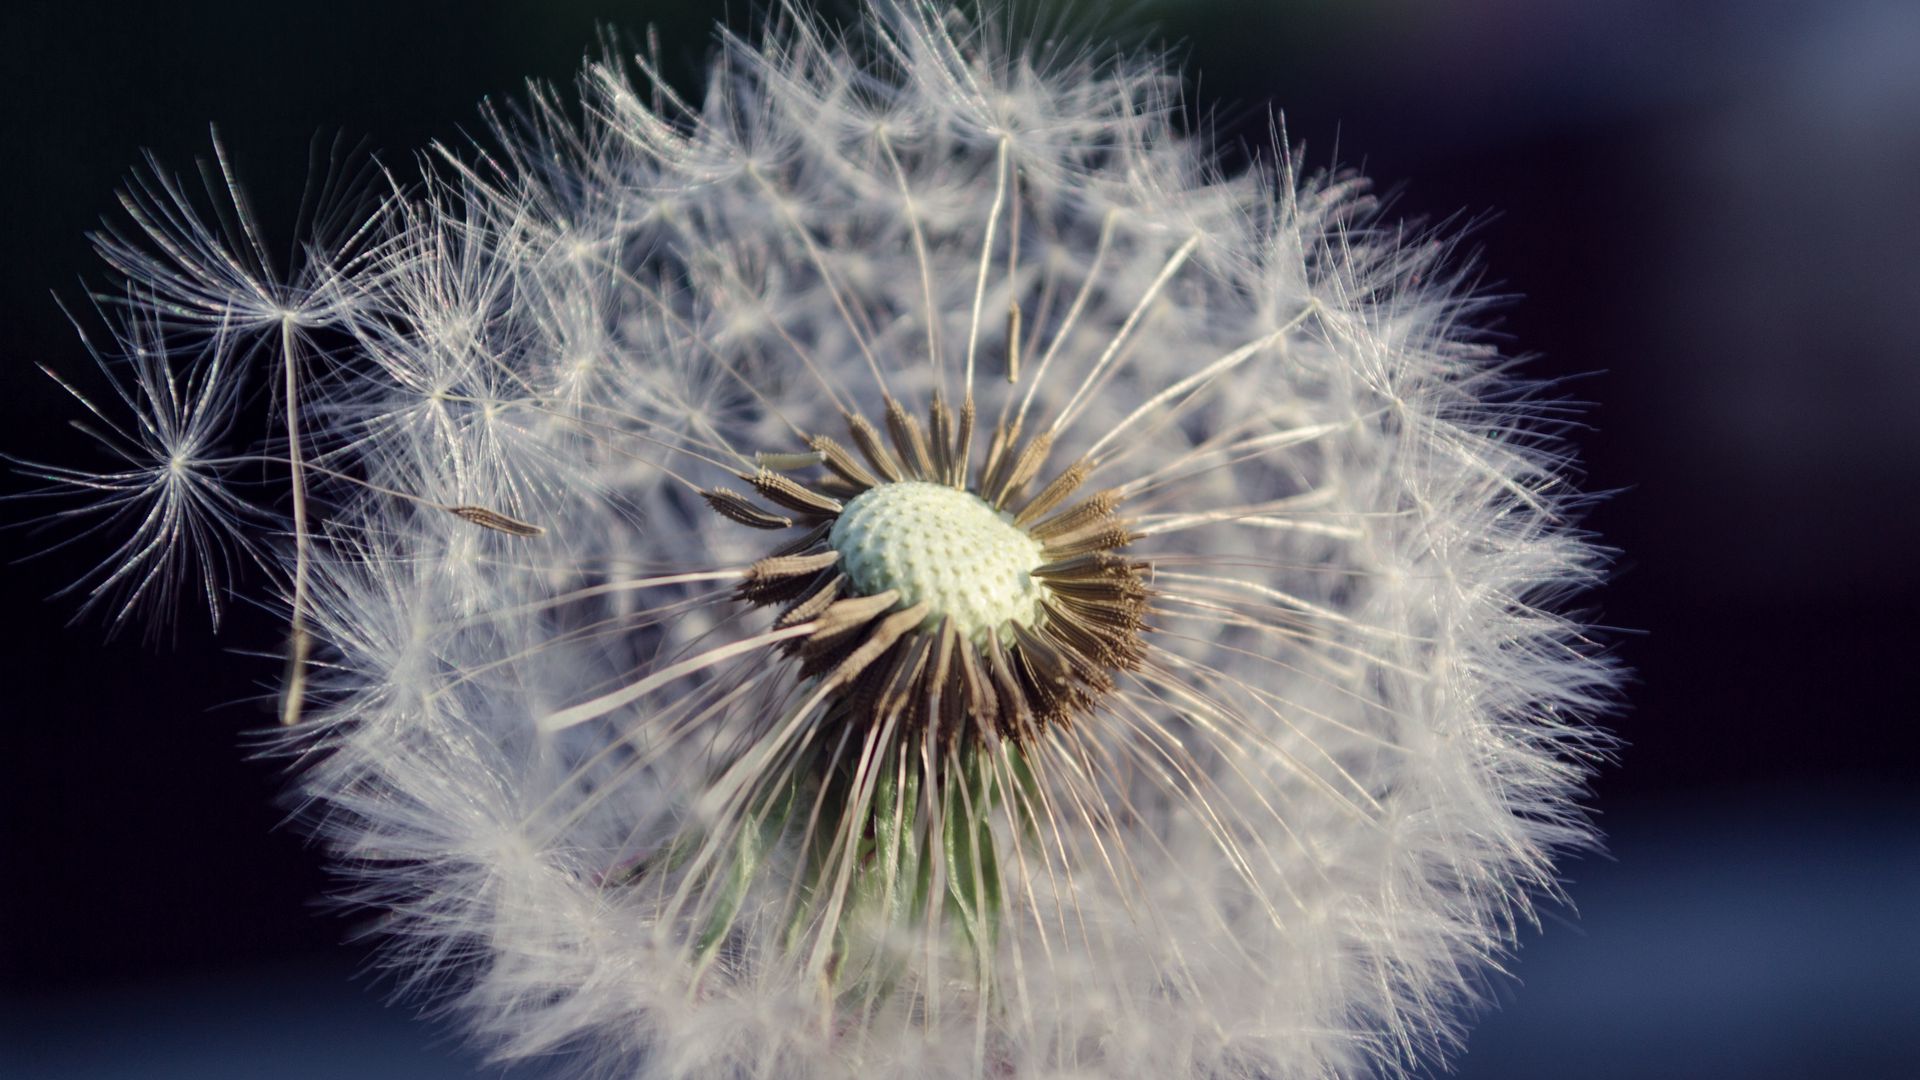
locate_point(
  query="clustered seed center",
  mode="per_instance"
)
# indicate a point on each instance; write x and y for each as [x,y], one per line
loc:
[947,548]
[961,602]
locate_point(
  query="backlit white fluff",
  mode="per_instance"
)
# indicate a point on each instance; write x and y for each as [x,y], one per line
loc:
[1288,845]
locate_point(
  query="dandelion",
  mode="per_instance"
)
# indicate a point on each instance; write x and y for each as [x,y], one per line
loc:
[898,568]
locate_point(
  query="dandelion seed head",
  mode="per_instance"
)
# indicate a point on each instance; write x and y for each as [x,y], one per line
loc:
[894,567]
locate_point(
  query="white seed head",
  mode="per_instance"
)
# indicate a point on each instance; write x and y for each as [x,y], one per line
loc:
[968,561]
[1277,763]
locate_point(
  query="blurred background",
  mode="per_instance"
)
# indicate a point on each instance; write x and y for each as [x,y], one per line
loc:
[1709,213]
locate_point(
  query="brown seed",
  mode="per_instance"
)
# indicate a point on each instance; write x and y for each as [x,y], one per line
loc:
[793,495]
[495,520]
[735,507]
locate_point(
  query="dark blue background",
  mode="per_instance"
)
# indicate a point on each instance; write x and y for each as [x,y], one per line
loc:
[1712,214]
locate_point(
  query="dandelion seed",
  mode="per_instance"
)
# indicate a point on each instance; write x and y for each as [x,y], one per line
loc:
[493,519]
[894,569]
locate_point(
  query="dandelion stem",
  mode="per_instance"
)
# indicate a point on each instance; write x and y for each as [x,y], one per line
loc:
[928,313]
[606,703]
[1100,366]
[986,259]
[299,644]
[1073,314]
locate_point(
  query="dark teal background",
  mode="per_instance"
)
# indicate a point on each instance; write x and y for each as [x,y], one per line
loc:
[1710,213]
